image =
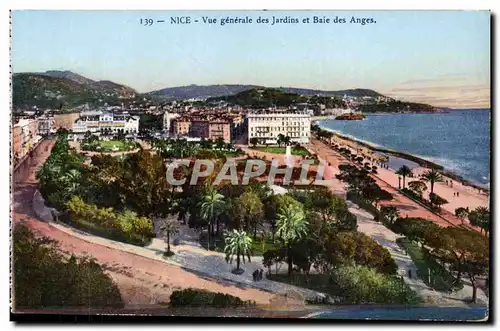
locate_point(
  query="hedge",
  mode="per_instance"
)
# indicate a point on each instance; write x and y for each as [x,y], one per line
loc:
[198,298]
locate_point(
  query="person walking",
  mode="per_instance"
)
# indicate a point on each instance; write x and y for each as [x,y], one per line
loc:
[255,275]
[261,272]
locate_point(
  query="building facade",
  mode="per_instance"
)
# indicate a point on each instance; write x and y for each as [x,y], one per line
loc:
[197,128]
[24,137]
[100,122]
[167,121]
[266,127]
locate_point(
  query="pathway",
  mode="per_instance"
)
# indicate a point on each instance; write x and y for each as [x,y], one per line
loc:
[387,238]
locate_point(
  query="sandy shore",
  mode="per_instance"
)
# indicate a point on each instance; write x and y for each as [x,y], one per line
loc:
[388,180]
[468,195]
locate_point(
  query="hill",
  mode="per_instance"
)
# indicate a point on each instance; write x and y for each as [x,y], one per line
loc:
[398,107]
[214,91]
[199,91]
[64,90]
[271,97]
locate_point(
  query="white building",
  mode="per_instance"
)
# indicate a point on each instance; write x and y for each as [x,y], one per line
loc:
[103,122]
[267,126]
[167,121]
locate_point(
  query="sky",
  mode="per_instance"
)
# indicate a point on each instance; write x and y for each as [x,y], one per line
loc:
[436,57]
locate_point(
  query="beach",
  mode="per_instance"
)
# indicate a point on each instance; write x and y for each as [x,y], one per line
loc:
[387,179]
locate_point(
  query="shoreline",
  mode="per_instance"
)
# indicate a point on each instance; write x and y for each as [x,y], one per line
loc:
[420,161]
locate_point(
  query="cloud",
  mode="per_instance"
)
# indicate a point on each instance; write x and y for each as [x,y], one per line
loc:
[458,90]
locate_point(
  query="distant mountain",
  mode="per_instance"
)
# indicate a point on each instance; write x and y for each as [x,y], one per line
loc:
[213,91]
[68,75]
[199,91]
[65,90]
[263,97]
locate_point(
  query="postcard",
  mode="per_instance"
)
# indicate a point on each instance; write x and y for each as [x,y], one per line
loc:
[296,165]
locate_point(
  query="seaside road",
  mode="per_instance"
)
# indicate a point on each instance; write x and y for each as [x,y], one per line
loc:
[405,205]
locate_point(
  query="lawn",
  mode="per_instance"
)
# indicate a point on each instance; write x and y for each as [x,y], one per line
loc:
[441,279]
[108,145]
[299,151]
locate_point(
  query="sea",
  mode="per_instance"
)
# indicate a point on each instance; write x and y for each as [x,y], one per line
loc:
[458,139]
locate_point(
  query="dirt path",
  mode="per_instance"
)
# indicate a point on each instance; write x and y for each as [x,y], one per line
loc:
[141,281]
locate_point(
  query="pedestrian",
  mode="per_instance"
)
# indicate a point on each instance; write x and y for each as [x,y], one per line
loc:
[458,194]
[255,274]
[261,272]
[409,273]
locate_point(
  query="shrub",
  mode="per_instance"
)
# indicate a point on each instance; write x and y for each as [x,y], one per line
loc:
[196,298]
[43,277]
[362,285]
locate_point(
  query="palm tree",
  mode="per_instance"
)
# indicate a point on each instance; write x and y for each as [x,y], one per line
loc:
[462,213]
[404,171]
[291,226]
[167,227]
[238,244]
[432,176]
[211,206]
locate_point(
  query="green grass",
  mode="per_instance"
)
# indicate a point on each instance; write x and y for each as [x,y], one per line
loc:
[107,146]
[299,151]
[441,279]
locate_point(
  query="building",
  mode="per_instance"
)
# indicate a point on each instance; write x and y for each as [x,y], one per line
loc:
[181,127]
[198,128]
[24,137]
[267,126]
[219,129]
[105,123]
[167,121]
[45,125]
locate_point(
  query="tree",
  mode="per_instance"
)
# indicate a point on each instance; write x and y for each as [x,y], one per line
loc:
[280,140]
[414,228]
[358,248]
[389,214]
[211,207]
[464,250]
[404,171]
[238,244]
[168,226]
[462,213]
[43,277]
[436,200]
[286,140]
[480,217]
[143,184]
[249,208]
[373,193]
[219,143]
[273,204]
[418,187]
[254,141]
[322,203]
[432,176]
[292,226]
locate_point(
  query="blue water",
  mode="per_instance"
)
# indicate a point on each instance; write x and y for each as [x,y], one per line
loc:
[410,313]
[458,140]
